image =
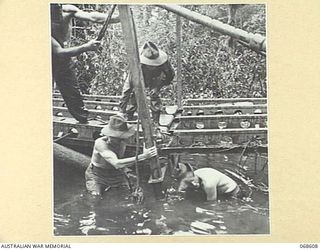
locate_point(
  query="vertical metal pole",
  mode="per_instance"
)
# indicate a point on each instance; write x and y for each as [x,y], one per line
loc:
[130,39]
[178,39]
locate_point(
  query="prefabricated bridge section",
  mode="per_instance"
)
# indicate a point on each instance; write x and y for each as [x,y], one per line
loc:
[203,125]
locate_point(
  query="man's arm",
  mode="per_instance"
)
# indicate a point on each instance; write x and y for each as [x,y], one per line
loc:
[209,182]
[112,158]
[73,51]
[168,74]
[94,16]
[211,192]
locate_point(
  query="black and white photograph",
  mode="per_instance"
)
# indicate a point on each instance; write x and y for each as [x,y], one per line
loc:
[159,119]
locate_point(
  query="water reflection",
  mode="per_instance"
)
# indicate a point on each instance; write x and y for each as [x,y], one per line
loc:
[77,213]
[88,222]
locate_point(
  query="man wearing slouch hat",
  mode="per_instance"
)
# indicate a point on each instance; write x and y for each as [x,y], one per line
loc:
[108,162]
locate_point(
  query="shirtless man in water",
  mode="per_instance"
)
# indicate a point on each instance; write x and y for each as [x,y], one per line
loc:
[214,183]
[108,165]
[62,66]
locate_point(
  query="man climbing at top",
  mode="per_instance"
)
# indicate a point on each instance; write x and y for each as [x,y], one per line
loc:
[62,66]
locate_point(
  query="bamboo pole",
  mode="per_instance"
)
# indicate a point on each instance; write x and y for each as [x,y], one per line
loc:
[106,23]
[130,39]
[232,21]
[255,41]
[178,38]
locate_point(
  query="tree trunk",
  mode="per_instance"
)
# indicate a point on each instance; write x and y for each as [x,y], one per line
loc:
[147,15]
[70,158]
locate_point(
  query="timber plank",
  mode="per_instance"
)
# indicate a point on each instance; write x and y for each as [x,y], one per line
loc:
[97,105]
[212,149]
[214,121]
[187,102]
[216,101]
[224,137]
[101,114]
[105,98]
[226,109]
[86,132]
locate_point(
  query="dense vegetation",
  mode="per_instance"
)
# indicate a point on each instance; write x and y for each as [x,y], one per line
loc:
[212,64]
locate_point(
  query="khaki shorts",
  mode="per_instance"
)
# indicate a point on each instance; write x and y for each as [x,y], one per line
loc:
[98,179]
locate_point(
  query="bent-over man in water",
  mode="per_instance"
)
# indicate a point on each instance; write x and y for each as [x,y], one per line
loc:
[108,163]
[214,183]
[62,66]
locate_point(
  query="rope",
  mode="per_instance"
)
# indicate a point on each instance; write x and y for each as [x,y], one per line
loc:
[137,194]
[137,188]
[137,153]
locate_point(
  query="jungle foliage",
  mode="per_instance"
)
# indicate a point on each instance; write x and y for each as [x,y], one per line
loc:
[212,64]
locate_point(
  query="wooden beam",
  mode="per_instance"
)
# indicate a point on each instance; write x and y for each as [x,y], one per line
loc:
[210,137]
[226,109]
[93,114]
[256,42]
[97,105]
[212,149]
[213,121]
[216,101]
[104,98]
[194,101]
[86,130]
[128,28]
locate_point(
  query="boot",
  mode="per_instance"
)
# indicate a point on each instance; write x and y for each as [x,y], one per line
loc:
[131,117]
[156,118]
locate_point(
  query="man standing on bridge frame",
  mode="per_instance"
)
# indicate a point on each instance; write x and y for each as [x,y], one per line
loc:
[62,66]
[157,73]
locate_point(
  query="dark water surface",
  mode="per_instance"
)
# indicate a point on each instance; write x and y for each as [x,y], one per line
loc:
[78,213]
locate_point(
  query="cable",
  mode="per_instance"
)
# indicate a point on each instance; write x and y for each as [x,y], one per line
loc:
[137,153]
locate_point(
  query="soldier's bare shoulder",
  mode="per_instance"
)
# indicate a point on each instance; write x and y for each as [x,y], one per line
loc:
[100,143]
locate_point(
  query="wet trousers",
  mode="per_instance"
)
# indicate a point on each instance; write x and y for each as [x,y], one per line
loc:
[128,102]
[98,179]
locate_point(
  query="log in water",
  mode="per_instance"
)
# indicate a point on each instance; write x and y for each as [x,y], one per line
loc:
[69,157]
